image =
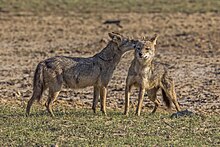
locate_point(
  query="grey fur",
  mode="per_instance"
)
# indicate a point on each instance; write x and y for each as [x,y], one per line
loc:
[77,72]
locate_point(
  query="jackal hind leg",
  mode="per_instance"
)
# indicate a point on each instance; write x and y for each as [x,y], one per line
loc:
[152,95]
[103,93]
[51,98]
[169,89]
[95,98]
[35,96]
[140,100]
[30,103]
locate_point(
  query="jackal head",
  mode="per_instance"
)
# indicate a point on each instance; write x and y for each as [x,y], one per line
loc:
[145,50]
[123,44]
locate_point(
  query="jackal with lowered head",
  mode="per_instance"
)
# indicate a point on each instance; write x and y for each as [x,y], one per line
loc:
[77,72]
[149,76]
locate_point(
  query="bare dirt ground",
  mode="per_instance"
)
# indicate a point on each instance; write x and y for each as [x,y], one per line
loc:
[188,44]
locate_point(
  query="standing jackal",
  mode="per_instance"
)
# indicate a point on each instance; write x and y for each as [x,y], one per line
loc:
[149,75]
[76,72]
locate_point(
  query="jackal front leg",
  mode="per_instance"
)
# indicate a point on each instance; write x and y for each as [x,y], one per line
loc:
[95,98]
[127,99]
[140,100]
[103,93]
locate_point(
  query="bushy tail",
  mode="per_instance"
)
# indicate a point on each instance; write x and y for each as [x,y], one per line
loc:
[38,86]
[166,99]
[38,83]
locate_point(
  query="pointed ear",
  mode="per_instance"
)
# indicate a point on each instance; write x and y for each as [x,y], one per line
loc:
[117,38]
[111,35]
[154,39]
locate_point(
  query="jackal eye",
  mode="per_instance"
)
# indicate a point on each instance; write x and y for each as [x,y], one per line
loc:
[138,48]
[147,48]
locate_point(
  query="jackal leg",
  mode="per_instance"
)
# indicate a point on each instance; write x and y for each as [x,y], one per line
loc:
[51,98]
[95,98]
[103,93]
[169,89]
[140,100]
[127,98]
[36,96]
[157,103]
[30,103]
[172,94]
[152,94]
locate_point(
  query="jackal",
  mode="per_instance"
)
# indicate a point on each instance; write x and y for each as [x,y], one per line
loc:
[77,72]
[149,75]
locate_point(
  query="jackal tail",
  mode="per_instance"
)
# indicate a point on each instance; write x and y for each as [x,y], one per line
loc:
[38,83]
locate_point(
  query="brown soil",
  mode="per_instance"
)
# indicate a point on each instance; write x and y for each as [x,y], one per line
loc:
[188,44]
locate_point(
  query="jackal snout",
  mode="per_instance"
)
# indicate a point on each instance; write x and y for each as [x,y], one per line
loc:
[124,44]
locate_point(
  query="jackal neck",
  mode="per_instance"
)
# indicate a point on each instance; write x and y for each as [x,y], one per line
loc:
[144,63]
[109,53]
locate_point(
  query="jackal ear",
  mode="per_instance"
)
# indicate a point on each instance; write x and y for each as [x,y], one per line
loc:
[117,38]
[154,39]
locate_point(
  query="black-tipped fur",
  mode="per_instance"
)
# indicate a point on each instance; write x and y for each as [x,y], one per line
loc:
[38,83]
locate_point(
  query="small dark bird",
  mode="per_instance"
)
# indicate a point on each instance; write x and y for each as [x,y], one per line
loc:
[116,22]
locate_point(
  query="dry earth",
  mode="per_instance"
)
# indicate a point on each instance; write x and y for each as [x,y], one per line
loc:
[189,45]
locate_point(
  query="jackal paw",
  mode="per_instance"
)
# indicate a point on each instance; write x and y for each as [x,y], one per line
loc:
[126,113]
[104,113]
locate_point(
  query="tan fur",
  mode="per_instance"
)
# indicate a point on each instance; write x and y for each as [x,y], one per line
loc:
[149,76]
[77,72]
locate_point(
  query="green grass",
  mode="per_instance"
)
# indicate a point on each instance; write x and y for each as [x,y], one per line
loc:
[83,128]
[102,6]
